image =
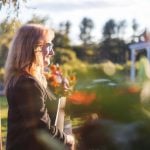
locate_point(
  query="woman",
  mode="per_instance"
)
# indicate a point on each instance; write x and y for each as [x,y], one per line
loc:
[26,89]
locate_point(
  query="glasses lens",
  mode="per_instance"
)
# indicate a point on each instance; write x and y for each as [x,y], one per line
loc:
[49,46]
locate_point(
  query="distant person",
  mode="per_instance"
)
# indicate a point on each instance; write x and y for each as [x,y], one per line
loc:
[26,89]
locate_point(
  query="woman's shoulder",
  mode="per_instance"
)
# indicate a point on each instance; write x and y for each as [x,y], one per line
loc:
[23,81]
[26,83]
[25,78]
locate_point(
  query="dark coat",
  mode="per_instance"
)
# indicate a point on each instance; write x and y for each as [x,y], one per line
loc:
[27,114]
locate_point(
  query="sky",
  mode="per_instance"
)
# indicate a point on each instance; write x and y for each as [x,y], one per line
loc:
[99,11]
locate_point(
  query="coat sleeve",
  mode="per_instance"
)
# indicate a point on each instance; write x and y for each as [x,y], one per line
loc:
[30,102]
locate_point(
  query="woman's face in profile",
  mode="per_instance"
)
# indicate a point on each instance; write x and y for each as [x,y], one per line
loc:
[47,50]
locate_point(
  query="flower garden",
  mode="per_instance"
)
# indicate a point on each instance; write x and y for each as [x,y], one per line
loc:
[100,98]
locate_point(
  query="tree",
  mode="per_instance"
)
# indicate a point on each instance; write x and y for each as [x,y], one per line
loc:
[61,40]
[13,5]
[67,29]
[121,27]
[7,30]
[109,29]
[64,27]
[86,27]
[36,19]
[135,26]
[62,35]
[114,50]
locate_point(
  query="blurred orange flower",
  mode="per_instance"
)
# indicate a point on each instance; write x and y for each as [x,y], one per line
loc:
[53,68]
[54,84]
[80,97]
[134,89]
[73,78]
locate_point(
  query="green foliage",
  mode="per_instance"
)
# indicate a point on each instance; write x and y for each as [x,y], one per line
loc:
[38,20]
[114,50]
[61,40]
[89,53]
[121,27]
[64,56]
[64,27]
[3,117]
[7,30]
[13,7]
[109,29]
[86,27]
[135,25]
[116,98]
[1,75]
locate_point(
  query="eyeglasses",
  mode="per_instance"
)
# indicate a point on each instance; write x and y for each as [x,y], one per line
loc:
[48,48]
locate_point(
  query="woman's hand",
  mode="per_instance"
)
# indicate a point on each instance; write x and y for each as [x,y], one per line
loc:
[70,142]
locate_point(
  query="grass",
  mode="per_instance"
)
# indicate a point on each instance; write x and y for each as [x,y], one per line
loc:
[3,115]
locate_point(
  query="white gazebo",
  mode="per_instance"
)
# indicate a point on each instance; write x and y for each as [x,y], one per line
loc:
[137,47]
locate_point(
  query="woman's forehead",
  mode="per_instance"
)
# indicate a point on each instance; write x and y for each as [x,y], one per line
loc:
[47,38]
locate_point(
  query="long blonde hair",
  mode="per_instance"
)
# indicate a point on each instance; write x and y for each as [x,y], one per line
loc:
[21,55]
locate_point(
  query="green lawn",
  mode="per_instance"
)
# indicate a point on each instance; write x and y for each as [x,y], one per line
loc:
[3,108]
